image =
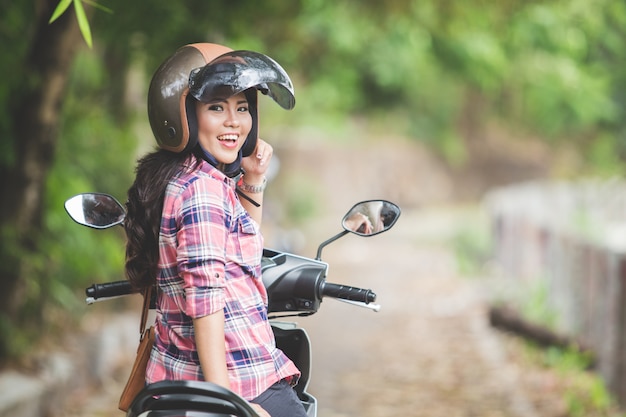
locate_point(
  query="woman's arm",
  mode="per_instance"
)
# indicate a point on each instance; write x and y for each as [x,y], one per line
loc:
[211,348]
[256,212]
[212,352]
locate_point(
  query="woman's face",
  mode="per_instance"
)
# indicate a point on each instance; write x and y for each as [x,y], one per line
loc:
[223,126]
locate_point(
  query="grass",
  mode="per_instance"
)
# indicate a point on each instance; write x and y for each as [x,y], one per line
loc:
[582,392]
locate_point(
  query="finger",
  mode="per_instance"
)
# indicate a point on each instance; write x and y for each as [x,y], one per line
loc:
[260,146]
[264,152]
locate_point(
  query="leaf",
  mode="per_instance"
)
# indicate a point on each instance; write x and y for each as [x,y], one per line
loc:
[98,6]
[83,23]
[60,9]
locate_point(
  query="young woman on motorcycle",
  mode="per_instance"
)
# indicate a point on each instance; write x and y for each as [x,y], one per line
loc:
[193,225]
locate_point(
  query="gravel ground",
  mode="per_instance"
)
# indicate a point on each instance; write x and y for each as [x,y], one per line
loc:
[428,352]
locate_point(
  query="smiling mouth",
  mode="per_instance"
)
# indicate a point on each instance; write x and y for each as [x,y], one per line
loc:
[228,138]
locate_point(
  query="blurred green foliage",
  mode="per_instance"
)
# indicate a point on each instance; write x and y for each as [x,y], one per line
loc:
[554,69]
[95,153]
[585,393]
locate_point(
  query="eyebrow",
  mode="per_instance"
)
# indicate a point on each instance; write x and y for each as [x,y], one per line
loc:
[222,100]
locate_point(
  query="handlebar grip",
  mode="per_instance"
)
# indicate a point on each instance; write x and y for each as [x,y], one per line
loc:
[346,292]
[109,289]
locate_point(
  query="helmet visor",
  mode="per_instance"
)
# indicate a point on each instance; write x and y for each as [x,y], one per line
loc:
[237,71]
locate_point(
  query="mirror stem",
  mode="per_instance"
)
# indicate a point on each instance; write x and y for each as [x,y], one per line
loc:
[325,243]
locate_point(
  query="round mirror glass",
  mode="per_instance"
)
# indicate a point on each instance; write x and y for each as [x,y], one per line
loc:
[372,217]
[96,210]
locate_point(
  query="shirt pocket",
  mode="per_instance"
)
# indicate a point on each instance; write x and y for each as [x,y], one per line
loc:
[250,242]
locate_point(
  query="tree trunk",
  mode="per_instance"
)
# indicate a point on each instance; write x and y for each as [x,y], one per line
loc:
[35,112]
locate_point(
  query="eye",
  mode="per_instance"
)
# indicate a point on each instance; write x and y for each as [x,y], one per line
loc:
[216,107]
[242,109]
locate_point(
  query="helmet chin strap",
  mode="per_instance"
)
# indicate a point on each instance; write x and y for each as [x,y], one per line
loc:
[230,170]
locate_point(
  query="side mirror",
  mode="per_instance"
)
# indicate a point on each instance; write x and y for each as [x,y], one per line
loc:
[96,210]
[369,218]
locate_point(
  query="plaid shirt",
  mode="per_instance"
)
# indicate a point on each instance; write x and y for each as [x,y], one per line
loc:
[210,259]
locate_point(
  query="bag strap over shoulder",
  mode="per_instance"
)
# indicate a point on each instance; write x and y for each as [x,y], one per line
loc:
[147,299]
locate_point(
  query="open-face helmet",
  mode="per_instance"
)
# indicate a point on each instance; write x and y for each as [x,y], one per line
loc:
[203,71]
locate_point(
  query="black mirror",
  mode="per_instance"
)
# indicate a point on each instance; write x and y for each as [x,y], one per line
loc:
[96,210]
[372,217]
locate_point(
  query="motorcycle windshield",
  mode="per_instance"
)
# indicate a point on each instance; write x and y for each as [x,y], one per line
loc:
[237,71]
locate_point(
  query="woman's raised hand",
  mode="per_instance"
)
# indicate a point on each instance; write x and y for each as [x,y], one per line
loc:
[256,164]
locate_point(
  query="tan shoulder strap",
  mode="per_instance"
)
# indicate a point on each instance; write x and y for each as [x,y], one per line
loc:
[147,298]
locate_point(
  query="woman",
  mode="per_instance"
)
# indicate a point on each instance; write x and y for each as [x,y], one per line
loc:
[193,225]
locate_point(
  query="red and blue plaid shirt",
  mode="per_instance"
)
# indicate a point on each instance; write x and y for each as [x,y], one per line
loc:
[210,259]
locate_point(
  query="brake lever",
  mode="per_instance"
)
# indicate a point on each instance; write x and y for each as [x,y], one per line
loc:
[371,306]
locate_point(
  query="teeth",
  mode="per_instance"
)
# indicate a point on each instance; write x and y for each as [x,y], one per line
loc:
[228,137]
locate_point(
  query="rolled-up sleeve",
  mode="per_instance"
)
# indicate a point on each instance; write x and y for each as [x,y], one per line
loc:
[202,240]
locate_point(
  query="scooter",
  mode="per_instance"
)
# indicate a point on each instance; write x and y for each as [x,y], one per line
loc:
[295,285]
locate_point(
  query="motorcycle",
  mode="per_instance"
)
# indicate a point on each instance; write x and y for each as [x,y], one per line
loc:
[296,286]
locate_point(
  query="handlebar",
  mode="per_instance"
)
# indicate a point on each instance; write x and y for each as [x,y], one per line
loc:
[328,289]
[109,289]
[346,292]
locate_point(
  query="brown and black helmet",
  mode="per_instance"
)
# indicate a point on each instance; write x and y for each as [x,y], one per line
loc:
[203,71]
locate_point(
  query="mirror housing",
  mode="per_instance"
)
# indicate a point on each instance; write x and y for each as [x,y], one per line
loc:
[369,218]
[95,210]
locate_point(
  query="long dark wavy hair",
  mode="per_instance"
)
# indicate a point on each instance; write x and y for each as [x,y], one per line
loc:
[144,209]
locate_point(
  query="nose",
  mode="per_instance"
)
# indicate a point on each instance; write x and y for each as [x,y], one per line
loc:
[232,119]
